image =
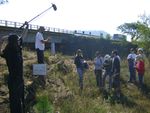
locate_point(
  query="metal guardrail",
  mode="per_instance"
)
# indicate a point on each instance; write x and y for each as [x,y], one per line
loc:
[33,27]
[36,27]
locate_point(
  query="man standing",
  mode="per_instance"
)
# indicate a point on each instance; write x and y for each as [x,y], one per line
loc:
[40,47]
[131,63]
[116,72]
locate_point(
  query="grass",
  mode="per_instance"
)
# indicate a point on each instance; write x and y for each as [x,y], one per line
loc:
[43,104]
[62,92]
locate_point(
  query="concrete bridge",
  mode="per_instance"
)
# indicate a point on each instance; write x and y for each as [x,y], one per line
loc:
[57,35]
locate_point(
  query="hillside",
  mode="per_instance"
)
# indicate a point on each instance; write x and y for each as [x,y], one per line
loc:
[62,94]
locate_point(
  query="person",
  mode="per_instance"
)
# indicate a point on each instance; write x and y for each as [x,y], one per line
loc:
[140,52]
[140,67]
[98,63]
[12,53]
[78,61]
[40,47]
[107,65]
[131,64]
[116,72]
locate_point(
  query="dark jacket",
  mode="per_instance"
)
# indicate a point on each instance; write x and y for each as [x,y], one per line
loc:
[14,61]
[116,65]
[78,61]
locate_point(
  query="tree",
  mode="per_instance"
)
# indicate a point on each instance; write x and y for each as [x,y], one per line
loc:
[139,31]
[130,29]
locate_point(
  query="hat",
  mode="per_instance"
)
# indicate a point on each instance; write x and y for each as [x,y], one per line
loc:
[140,49]
[107,57]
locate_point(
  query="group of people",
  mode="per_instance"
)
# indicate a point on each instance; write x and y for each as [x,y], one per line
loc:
[136,64]
[109,66]
[103,67]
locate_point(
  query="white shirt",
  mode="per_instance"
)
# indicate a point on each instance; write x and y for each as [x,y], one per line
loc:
[131,56]
[38,43]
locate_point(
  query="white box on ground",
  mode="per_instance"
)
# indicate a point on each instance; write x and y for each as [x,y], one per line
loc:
[39,69]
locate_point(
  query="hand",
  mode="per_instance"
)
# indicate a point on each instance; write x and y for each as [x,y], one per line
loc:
[48,38]
[27,24]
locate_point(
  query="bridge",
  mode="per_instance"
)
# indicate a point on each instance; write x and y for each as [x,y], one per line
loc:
[57,35]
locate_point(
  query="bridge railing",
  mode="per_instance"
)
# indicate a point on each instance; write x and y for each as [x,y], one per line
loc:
[33,27]
[36,27]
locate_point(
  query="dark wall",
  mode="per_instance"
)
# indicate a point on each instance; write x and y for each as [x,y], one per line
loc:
[90,45]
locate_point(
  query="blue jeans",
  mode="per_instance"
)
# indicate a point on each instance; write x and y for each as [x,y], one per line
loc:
[132,74]
[140,76]
[80,73]
[40,56]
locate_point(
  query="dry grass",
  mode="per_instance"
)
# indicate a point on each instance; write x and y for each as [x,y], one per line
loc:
[90,100]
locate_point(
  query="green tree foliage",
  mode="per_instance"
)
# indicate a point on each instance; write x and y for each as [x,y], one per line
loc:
[139,31]
[130,29]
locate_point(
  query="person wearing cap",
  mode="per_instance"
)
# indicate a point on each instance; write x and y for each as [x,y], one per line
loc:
[12,53]
[78,61]
[116,72]
[131,64]
[107,70]
[98,64]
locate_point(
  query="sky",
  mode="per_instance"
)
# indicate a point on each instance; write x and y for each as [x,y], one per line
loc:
[104,15]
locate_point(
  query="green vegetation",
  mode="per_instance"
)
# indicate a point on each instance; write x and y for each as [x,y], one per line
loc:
[43,105]
[62,93]
[139,32]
